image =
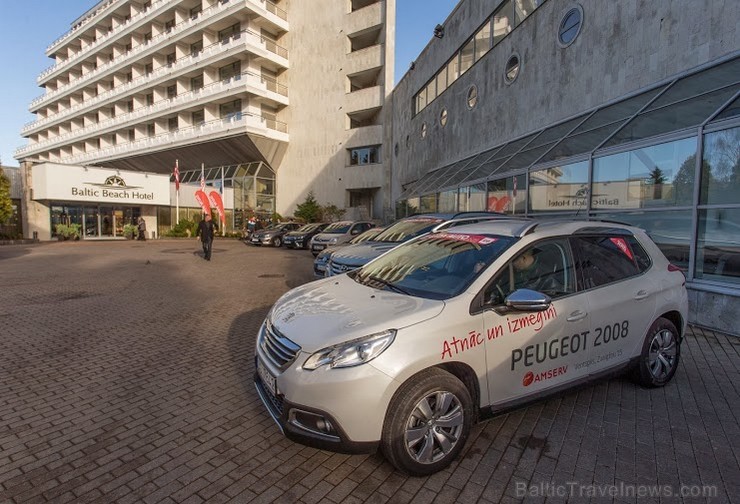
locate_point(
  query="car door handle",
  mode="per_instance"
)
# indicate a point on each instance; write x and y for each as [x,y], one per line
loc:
[641,295]
[577,315]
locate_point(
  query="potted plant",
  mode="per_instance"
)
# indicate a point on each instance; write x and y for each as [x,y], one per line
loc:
[129,231]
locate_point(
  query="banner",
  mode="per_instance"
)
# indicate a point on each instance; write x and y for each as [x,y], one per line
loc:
[202,199]
[216,201]
[177,175]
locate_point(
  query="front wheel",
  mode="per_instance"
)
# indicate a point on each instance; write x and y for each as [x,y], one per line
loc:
[660,354]
[427,423]
[277,242]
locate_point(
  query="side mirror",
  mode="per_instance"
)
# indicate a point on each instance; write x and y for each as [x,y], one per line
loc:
[525,300]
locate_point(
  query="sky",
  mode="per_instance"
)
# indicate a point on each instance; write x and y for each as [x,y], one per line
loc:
[28,27]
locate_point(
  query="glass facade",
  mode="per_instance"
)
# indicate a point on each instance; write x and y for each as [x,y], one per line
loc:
[666,160]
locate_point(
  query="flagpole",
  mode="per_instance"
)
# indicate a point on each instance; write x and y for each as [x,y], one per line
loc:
[223,193]
[177,193]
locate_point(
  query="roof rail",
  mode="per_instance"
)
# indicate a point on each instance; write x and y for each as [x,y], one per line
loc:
[526,229]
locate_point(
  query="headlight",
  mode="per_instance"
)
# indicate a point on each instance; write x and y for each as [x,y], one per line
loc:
[351,353]
[333,240]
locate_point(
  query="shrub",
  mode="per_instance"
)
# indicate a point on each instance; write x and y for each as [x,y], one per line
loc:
[182,229]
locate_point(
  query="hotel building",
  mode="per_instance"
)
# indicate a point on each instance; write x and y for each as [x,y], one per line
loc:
[270,99]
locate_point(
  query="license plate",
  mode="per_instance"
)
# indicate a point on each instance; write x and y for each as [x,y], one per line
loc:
[267,379]
[317,247]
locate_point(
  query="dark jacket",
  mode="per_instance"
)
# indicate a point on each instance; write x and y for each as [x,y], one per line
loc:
[206,230]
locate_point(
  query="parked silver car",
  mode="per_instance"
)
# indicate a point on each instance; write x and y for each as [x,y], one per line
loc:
[322,260]
[337,233]
[407,352]
[400,231]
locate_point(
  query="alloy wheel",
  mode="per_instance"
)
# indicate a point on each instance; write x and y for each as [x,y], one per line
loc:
[434,427]
[662,354]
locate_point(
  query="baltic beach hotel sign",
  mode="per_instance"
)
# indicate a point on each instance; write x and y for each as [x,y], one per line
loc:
[99,185]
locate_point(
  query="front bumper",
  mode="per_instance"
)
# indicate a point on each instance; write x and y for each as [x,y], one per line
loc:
[296,243]
[339,410]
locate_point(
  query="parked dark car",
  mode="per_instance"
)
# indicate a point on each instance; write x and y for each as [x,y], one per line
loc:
[319,264]
[273,235]
[301,237]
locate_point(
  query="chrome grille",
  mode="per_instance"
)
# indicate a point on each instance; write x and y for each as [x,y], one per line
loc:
[338,268]
[278,349]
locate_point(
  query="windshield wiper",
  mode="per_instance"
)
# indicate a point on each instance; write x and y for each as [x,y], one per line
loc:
[388,284]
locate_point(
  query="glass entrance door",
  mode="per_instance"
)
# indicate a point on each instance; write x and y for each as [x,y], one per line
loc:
[106,221]
[91,221]
[118,222]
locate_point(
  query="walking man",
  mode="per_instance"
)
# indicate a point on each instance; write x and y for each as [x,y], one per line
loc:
[206,230]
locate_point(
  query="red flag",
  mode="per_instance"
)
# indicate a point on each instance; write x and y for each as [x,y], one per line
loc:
[216,201]
[202,199]
[177,176]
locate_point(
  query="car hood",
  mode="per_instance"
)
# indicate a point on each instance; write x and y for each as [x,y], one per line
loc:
[334,310]
[325,237]
[297,234]
[361,253]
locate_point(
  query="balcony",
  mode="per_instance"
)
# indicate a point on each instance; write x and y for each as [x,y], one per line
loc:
[238,124]
[364,99]
[364,59]
[367,17]
[247,82]
[264,8]
[256,84]
[247,41]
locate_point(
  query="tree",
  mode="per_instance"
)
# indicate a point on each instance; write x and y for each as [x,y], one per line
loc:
[657,178]
[309,210]
[331,213]
[6,206]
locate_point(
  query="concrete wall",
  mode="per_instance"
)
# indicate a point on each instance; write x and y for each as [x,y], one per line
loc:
[316,158]
[719,312]
[623,47]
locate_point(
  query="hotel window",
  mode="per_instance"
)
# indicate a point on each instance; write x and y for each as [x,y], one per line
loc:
[196,83]
[127,48]
[503,22]
[466,56]
[131,135]
[656,176]
[149,98]
[523,8]
[150,129]
[195,11]
[196,47]
[364,155]
[172,124]
[129,77]
[169,25]
[483,40]
[147,37]
[231,110]
[199,117]
[232,32]
[171,91]
[171,58]
[229,71]
[130,105]
[441,80]
[148,68]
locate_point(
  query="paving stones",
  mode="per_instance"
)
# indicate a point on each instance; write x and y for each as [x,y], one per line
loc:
[126,376]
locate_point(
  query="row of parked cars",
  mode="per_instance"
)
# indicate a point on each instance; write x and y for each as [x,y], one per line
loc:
[315,236]
[437,321]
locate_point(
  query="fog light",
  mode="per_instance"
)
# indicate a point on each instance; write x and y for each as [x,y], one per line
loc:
[312,422]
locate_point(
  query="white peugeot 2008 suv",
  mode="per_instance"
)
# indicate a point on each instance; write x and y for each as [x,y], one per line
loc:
[407,352]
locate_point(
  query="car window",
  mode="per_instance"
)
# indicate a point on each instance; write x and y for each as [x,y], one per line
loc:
[641,256]
[338,228]
[437,266]
[545,267]
[406,229]
[605,259]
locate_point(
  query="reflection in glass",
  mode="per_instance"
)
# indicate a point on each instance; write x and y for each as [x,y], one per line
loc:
[473,198]
[483,41]
[581,143]
[507,195]
[466,56]
[660,175]
[503,21]
[447,201]
[559,189]
[718,245]
[428,203]
[720,174]
[670,230]
[713,78]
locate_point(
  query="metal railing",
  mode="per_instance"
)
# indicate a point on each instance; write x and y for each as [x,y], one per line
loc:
[138,116]
[256,39]
[268,7]
[265,82]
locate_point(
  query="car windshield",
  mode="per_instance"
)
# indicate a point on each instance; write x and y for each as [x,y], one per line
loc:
[338,228]
[366,236]
[406,229]
[307,228]
[437,266]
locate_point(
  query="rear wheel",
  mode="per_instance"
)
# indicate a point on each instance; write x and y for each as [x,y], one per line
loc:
[277,242]
[427,423]
[660,355]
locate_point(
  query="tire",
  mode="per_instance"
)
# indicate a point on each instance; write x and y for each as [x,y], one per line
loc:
[416,408]
[277,242]
[660,355]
